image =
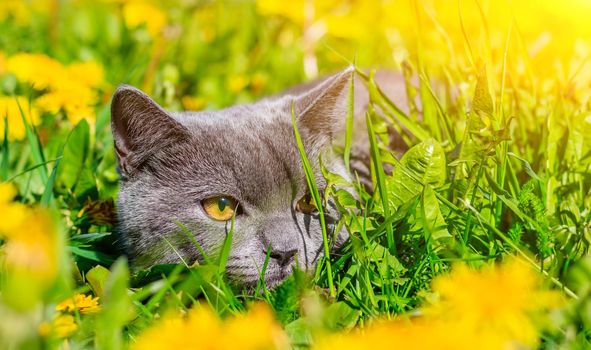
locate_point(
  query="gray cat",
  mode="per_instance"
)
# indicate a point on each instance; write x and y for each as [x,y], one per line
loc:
[198,170]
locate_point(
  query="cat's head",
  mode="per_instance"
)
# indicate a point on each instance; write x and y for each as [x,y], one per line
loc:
[185,175]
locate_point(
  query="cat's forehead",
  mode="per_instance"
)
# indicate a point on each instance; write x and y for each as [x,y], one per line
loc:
[253,156]
[259,133]
[241,130]
[264,112]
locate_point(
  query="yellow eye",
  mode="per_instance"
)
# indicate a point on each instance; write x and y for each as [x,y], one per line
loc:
[220,208]
[306,205]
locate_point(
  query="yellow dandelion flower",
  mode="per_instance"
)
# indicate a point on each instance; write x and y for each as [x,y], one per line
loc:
[39,70]
[7,193]
[29,235]
[71,88]
[64,326]
[138,12]
[13,214]
[191,103]
[22,11]
[9,109]
[309,12]
[493,307]
[16,9]
[293,10]
[356,21]
[237,83]
[86,304]
[89,73]
[406,334]
[31,245]
[76,100]
[2,63]
[255,330]
[258,82]
[499,299]
[29,257]
[44,329]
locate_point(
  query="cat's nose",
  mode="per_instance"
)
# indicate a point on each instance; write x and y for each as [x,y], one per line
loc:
[283,257]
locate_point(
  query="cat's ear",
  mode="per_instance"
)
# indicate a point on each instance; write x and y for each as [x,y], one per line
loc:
[321,111]
[140,128]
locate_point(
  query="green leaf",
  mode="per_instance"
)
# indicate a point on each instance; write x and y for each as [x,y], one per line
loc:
[117,308]
[74,173]
[340,316]
[49,185]
[97,277]
[299,333]
[434,224]
[478,132]
[92,255]
[423,164]
[34,143]
[526,165]
[483,103]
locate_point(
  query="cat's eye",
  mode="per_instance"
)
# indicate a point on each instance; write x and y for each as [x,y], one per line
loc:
[306,205]
[221,208]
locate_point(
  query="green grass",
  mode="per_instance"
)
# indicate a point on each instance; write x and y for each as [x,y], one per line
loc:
[500,168]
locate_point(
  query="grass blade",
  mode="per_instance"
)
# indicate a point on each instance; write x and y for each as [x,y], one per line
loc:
[380,182]
[349,121]
[311,180]
[34,143]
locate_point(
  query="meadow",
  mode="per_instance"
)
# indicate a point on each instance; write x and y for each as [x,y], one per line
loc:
[478,238]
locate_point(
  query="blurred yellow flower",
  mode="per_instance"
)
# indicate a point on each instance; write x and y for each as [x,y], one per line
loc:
[64,326]
[237,83]
[23,10]
[545,33]
[258,82]
[76,101]
[302,11]
[256,329]
[69,88]
[16,9]
[89,73]
[9,109]
[86,304]
[30,246]
[191,103]
[417,334]
[2,63]
[293,10]
[13,214]
[7,194]
[138,12]
[494,307]
[39,70]
[500,299]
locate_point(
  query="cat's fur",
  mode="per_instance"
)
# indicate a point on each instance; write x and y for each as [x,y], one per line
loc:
[170,162]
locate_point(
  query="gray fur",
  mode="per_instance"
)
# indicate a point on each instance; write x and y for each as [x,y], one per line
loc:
[170,162]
